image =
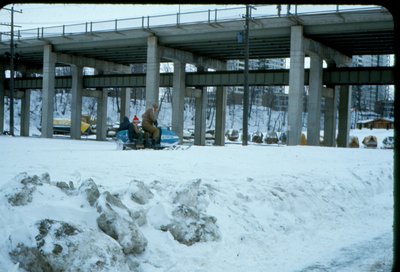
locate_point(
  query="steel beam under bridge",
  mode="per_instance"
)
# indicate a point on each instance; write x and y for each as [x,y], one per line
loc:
[336,76]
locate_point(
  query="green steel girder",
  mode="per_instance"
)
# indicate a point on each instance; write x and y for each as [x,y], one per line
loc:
[336,76]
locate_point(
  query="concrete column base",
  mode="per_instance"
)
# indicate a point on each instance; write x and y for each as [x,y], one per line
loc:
[125,103]
[25,113]
[200,118]
[152,71]
[76,101]
[330,118]
[314,101]
[220,116]
[49,64]
[101,119]
[344,116]
[296,85]
[178,99]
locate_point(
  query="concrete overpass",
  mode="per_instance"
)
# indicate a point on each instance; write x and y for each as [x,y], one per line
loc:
[334,37]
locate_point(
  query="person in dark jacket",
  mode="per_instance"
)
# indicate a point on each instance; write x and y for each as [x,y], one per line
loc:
[124,125]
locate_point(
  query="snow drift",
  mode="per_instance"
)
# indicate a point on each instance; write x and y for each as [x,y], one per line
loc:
[86,206]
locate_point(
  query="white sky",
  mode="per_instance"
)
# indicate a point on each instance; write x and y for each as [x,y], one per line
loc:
[57,14]
[45,15]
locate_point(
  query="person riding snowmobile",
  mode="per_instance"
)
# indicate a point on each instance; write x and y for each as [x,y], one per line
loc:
[149,124]
[135,135]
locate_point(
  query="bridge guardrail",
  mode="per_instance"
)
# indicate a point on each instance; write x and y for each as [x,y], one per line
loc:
[210,16]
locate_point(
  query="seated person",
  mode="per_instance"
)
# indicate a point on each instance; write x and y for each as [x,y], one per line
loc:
[134,132]
[124,124]
[149,124]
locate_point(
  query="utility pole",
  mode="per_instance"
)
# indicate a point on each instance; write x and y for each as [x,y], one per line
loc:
[11,95]
[246,78]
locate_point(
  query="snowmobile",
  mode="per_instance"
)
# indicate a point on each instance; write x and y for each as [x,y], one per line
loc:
[370,141]
[388,142]
[257,137]
[168,139]
[232,134]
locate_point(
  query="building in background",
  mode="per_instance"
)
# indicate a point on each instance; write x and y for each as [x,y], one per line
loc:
[372,101]
[368,102]
[267,96]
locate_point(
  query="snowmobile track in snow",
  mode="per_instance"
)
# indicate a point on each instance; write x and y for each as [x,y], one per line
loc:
[122,146]
[369,256]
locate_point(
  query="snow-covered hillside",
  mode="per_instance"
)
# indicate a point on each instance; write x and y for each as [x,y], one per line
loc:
[62,109]
[261,120]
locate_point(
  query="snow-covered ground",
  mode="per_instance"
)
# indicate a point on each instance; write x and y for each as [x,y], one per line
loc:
[273,208]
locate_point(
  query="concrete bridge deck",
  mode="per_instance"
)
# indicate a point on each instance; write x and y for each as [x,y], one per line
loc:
[353,32]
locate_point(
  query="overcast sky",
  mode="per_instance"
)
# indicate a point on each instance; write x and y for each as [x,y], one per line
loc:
[45,15]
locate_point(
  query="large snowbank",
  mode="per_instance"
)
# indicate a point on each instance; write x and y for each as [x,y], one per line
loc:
[257,208]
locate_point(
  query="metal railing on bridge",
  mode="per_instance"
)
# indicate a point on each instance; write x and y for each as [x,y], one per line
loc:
[209,16]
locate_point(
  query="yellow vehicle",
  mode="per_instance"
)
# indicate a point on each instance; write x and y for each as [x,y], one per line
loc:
[63,126]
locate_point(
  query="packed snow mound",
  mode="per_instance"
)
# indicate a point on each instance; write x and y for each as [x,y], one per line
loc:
[115,220]
[190,224]
[61,246]
[49,244]
[53,245]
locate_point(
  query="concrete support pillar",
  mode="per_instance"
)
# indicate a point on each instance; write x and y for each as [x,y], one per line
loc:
[25,113]
[201,99]
[125,103]
[220,116]
[152,71]
[296,85]
[2,95]
[76,101]
[344,116]
[101,119]
[178,98]
[49,64]
[330,118]
[314,100]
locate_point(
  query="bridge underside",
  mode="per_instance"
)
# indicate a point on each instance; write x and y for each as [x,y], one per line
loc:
[368,32]
[331,37]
